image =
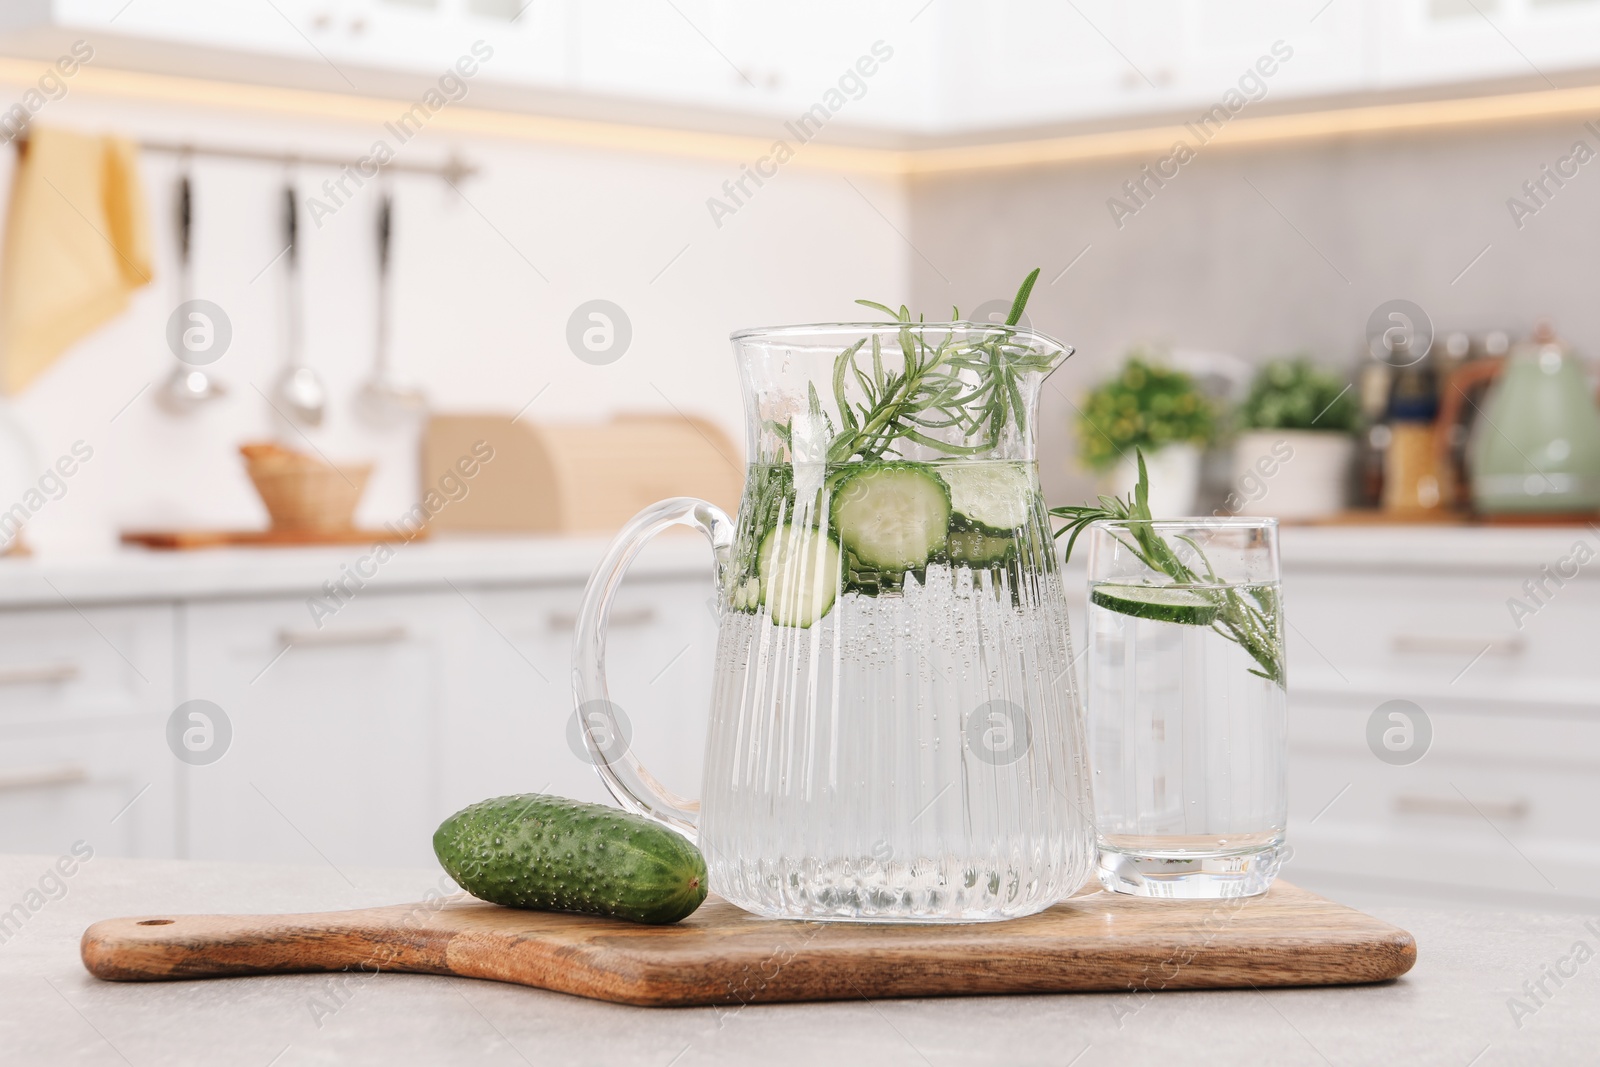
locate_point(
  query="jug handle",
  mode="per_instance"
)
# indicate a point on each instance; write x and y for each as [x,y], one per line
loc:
[634,787]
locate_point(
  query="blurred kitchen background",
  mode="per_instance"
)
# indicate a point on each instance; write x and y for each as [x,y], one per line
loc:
[1331,261]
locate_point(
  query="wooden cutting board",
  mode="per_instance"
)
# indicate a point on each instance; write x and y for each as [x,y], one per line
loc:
[722,955]
[181,540]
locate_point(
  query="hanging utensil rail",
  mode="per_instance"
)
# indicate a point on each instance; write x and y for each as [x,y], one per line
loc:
[452,169]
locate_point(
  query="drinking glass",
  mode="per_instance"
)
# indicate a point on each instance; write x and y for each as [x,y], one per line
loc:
[1185,704]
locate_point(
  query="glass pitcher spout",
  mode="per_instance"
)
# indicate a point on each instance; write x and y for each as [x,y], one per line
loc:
[862,392]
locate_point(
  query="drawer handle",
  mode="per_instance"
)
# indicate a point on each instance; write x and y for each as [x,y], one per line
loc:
[1440,645]
[1419,804]
[566,623]
[377,635]
[39,673]
[40,777]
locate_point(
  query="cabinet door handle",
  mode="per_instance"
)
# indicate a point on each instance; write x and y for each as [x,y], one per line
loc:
[1442,645]
[565,622]
[376,635]
[1422,804]
[38,673]
[40,777]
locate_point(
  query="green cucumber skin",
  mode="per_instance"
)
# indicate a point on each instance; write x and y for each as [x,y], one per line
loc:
[822,546]
[974,545]
[962,520]
[860,474]
[553,854]
[965,541]
[870,581]
[1182,615]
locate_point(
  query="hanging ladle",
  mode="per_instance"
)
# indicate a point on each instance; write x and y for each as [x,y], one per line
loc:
[300,389]
[188,386]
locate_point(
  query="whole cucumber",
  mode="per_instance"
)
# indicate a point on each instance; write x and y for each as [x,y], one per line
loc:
[554,854]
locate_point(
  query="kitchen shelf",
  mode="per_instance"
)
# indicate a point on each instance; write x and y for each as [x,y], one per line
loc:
[1373,517]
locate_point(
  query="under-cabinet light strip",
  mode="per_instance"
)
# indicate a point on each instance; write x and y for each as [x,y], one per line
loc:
[1544,105]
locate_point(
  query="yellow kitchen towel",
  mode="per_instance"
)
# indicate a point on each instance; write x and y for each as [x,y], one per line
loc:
[77,243]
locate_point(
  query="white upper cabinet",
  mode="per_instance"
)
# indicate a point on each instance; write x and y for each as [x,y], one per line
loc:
[1274,51]
[994,74]
[344,37]
[1420,42]
[949,66]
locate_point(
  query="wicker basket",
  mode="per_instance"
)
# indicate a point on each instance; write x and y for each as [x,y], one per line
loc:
[303,493]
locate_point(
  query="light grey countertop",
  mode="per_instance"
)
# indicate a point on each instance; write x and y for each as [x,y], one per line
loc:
[133,575]
[136,574]
[1450,1010]
[1420,548]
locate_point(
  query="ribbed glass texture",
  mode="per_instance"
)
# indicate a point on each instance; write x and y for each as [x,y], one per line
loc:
[915,754]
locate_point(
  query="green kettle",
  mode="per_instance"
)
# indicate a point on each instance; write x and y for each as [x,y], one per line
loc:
[1536,445]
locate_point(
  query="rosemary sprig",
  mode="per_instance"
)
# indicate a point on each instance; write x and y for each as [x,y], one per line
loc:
[1250,622]
[970,388]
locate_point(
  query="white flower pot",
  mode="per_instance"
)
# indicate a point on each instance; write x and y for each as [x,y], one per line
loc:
[1174,479]
[1290,474]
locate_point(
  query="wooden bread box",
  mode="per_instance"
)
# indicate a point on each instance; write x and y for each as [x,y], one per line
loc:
[575,478]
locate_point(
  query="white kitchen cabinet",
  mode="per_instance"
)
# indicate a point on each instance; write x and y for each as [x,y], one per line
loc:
[1501,803]
[84,700]
[112,786]
[352,742]
[997,73]
[509,692]
[958,66]
[1228,38]
[510,719]
[445,681]
[1420,42]
[1502,800]
[1415,635]
[641,49]
[58,665]
[336,732]
[1031,61]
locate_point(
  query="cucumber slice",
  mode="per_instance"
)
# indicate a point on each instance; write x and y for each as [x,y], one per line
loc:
[746,596]
[994,496]
[892,516]
[1162,603]
[799,571]
[976,547]
[871,581]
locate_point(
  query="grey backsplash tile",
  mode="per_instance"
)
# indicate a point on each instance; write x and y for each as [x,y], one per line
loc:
[1265,250]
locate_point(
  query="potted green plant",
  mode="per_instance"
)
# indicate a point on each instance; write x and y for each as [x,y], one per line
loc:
[1296,442]
[1155,409]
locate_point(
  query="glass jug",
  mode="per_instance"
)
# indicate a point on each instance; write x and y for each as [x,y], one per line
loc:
[895,732]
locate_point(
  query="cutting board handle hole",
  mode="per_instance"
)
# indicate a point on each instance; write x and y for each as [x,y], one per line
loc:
[154,922]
